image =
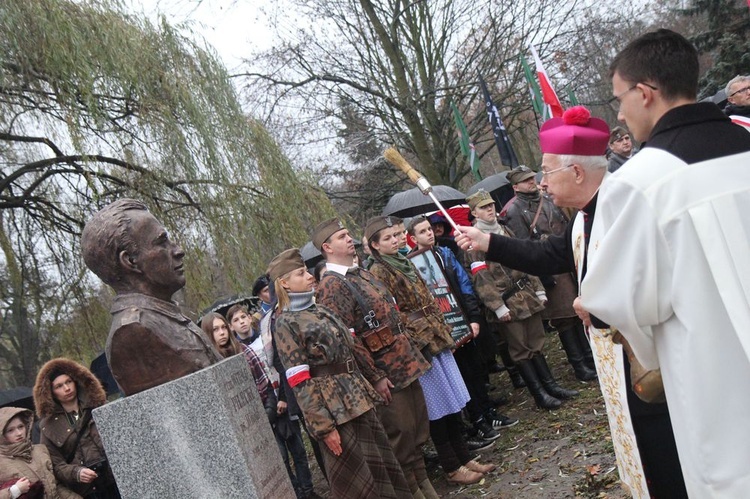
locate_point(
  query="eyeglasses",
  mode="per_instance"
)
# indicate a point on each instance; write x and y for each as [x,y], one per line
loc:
[547,174]
[624,137]
[740,91]
[615,101]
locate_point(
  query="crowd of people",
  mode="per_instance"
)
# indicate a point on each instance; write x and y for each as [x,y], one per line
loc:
[360,356]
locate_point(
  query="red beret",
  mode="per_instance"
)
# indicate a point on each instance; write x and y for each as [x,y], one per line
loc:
[575,133]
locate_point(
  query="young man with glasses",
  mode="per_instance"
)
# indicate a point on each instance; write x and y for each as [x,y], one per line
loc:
[621,146]
[668,253]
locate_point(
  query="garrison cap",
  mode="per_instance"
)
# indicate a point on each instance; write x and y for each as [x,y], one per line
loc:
[285,262]
[379,223]
[617,133]
[324,230]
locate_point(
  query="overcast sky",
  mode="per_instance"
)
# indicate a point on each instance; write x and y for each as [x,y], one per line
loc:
[234,27]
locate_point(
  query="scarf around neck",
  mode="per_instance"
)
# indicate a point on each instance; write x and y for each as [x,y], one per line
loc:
[300,301]
[531,196]
[402,264]
[492,228]
[19,450]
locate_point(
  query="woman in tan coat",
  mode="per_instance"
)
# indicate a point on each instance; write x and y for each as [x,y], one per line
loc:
[25,468]
[65,393]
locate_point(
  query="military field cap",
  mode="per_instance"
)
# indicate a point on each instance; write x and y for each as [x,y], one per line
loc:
[324,230]
[285,262]
[479,199]
[575,133]
[617,133]
[519,174]
[376,224]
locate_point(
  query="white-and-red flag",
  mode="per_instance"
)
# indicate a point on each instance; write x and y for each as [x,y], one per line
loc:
[548,93]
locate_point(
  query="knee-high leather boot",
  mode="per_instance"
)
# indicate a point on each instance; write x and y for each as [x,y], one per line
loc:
[510,366]
[548,381]
[571,345]
[543,399]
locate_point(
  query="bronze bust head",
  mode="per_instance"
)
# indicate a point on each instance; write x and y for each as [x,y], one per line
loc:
[150,342]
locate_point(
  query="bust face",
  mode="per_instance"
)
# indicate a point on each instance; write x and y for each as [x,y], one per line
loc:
[159,262]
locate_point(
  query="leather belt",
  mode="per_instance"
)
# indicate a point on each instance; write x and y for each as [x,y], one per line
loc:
[422,312]
[331,369]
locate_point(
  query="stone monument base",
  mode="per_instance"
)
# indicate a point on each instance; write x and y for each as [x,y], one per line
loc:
[205,435]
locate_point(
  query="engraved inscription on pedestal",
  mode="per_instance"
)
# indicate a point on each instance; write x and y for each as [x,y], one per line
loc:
[203,435]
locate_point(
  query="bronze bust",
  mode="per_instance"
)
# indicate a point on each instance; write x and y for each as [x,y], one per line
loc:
[150,342]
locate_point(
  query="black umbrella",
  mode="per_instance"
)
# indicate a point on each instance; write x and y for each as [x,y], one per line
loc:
[222,305]
[491,183]
[21,396]
[310,255]
[412,202]
[497,185]
[719,98]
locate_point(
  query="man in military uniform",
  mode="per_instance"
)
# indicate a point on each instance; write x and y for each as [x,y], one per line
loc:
[515,301]
[529,215]
[386,356]
[621,145]
[150,342]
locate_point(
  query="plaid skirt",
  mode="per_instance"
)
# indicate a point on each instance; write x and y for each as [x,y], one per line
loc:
[367,468]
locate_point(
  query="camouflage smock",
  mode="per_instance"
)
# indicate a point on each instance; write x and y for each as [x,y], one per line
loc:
[401,362]
[492,279]
[316,337]
[430,330]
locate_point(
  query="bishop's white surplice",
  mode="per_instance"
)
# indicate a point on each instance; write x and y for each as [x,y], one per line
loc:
[669,266]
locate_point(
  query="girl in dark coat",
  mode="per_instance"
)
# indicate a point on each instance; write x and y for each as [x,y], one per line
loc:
[65,392]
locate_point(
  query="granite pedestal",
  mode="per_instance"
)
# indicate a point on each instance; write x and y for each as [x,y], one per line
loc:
[200,436]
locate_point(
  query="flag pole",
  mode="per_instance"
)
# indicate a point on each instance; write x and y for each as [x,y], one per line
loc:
[395,158]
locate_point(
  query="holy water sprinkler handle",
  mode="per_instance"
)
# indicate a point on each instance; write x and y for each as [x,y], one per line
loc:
[395,158]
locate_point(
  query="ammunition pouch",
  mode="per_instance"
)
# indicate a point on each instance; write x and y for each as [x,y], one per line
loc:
[378,339]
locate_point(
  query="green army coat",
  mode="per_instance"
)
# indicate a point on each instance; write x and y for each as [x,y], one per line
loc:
[518,215]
